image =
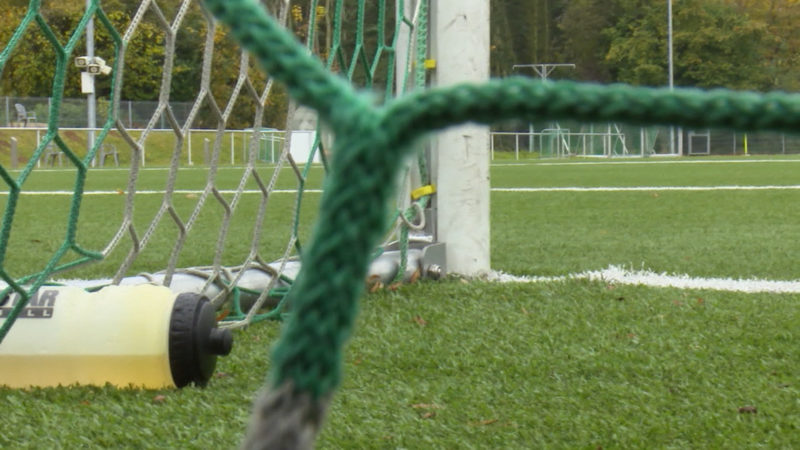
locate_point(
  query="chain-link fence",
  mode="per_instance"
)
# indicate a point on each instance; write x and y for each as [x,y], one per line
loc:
[74,112]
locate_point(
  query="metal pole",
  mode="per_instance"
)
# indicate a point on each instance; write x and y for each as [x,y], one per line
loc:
[91,114]
[491,145]
[189,146]
[14,160]
[642,138]
[671,70]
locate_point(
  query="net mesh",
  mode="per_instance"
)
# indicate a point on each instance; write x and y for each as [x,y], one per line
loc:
[232,232]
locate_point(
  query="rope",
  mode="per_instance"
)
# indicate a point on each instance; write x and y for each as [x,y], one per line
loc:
[371,142]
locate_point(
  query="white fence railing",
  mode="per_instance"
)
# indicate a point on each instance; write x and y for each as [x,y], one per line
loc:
[611,140]
[197,145]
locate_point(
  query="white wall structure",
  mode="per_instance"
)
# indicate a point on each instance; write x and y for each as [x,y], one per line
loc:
[460,157]
[301,144]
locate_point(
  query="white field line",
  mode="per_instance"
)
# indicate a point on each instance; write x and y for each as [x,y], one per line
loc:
[620,275]
[163,169]
[684,161]
[498,164]
[155,192]
[790,187]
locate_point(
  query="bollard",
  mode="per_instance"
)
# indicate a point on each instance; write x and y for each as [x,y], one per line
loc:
[14,160]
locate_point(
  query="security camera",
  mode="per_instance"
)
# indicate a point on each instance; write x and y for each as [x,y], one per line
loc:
[82,61]
[99,61]
[105,70]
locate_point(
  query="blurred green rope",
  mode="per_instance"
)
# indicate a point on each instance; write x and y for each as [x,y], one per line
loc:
[371,142]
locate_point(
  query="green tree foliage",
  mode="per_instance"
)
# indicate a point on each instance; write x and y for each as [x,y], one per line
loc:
[742,44]
[781,45]
[527,32]
[583,39]
[31,68]
[714,45]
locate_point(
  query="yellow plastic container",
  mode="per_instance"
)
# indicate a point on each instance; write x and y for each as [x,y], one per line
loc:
[129,336]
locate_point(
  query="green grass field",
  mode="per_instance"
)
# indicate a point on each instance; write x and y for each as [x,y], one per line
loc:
[476,364]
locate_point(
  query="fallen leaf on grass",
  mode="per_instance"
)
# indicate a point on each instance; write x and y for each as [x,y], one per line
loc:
[159,398]
[374,284]
[394,286]
[428,415]
[748,410]
[420,321]
[415,276]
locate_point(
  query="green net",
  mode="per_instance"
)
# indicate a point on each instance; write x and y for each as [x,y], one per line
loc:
[375,46]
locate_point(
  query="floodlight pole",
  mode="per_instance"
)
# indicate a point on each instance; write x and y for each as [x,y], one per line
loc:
[671,70]
[91,113]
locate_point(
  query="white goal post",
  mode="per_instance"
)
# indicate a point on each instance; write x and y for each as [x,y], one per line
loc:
[460,157]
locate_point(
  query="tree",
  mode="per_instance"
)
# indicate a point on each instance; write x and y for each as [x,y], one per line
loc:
[528,33]
[583,37]
[31,67]
[714,45]
[781,45]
